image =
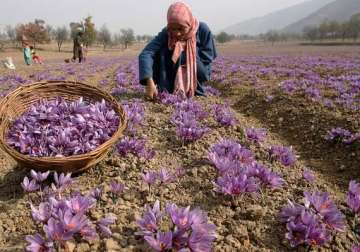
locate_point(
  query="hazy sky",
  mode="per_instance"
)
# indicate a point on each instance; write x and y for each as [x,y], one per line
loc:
[144,16]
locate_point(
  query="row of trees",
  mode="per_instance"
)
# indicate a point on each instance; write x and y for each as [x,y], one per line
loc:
[331,30]
[38,32]
[327,30]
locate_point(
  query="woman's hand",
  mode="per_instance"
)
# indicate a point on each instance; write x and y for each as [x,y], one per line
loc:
[151,90]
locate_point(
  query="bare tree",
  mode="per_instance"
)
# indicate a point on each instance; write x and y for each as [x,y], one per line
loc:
[11,33]
[104,36]
[127,37]
[61,34]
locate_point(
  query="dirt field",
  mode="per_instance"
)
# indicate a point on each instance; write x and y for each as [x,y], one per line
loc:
[245,223]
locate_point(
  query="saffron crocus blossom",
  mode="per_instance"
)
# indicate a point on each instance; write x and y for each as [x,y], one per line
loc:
[308,175]
[202,237]
[97,192]
[265,175]
[188,127]
[191,107]
[80,204]
[152,215]
[135,112]
[312,223]
[190,229]
[353,197]
[38,176]
[103,226]
[57,128]
[38,244]
[223,115]
[162,242]
[149,177]
[169,99]
[283,154]
[117,188]
[165,176]
[62,180]
[43,213]
[228,155]
[337,134]
[256,135]
[238,185]
[135,146]
[30,186]
[72,222]
[88,232]
[56,231]
[355,248]
[326,208]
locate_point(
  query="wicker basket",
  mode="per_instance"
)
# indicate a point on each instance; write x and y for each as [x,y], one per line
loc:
[18,101]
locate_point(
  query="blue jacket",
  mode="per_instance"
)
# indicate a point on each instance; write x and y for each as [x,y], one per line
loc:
[155,60]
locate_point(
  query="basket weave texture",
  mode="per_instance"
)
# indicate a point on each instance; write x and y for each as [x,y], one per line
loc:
[19,101]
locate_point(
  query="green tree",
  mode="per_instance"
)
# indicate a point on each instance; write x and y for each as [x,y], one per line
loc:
[354,26]
[35,32]
[311,33]
[223,37]
[272,36]
[89,31]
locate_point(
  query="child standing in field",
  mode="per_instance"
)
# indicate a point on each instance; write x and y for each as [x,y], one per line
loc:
[36,58]
[178,59]
[26,52]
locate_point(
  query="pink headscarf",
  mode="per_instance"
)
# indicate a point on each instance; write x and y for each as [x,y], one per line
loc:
[186,76]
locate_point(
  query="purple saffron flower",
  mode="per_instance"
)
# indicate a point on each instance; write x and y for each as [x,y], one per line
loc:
[38,176]
[353,197]
[355,248]
[236,185]
[148,224]
[80,204]
[56,231]
[256,135]
[223,115]
[283,154]
[179,216]
[308,175]
[88,232]
[322,204]
[29,186]
[73,223]
[162,242]
[63,180]
[202,237]
[103,226]
[336,134]
[42,214]
[180,172]
[38,244]
[291,212]
[117,188]
[97,192]
[149,177]
[165,176]
[266,176]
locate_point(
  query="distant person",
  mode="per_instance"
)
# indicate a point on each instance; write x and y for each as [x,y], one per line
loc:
[36,58]
[27,52]
[78,46]
[8,63]
[178,60]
